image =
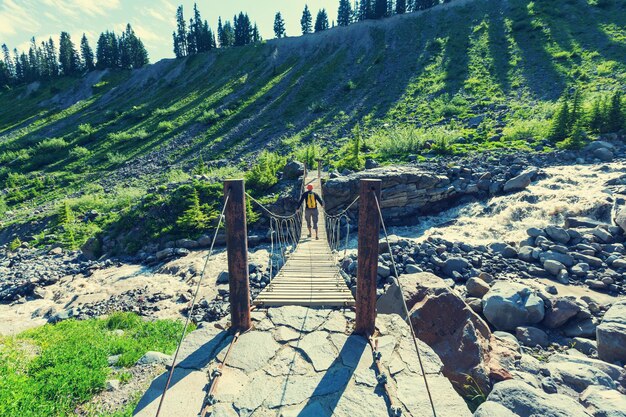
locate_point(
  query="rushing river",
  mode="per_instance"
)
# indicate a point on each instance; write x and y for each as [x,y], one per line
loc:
[573,190]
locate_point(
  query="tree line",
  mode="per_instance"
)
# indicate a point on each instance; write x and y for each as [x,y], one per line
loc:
[43,61]
[197,36]
[572,119]
[349,13]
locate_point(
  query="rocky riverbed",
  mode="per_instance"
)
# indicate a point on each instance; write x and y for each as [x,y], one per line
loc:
[521,258]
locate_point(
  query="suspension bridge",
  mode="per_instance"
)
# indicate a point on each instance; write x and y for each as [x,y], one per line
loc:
[299,348]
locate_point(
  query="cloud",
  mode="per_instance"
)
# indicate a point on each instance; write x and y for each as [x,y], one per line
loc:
[159,15]
[14,17]
[78,8]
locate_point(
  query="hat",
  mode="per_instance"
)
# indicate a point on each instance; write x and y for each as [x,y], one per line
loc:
[309,187]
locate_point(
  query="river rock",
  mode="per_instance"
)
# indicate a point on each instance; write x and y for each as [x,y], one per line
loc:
[531,336]
[509,305]
[584,328]
[476,287]
[520,182]
[558,234]
[553,267]
[620,217]
[611,334]
[559,311]
[457,334]
[603,154]
[524,401]
[507,251]
[604,402]
[293,170]
[452,265]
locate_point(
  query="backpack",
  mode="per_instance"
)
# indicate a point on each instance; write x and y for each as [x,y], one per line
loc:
[310,201]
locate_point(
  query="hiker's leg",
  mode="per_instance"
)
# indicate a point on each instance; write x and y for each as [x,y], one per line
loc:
[315,219]
[308,216]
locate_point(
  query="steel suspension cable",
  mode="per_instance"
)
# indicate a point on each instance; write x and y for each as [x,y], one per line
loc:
[406,309]
[193,304]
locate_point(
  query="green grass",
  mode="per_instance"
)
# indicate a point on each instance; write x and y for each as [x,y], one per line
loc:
[50,370]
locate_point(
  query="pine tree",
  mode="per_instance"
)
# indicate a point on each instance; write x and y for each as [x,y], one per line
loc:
[86,53]
[400,6]
[615,116]
[8,62]
[597,119]
[68,56]
[321,22]
[279,26]
[425,4]
[181,33]
[52,58]
[576,111]
[344,13]
[194,218]
[256,35]
[380,9]
[365,10]
[561,122]
[243,30]
[306,22]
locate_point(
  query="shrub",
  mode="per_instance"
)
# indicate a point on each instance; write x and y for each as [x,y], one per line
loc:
[165,126]
[51,145]
[353,159]
[209,116]
[79,152]
[161,112]
[86,129]
[398,142]
[125,136]
[264,174]
[309,154]
[317,107]
[15,244]
[115,158]
[531,129]
[350,85]
[195,217]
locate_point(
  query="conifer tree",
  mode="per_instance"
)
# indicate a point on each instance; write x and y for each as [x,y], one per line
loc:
[279,26]
[380,9]
[194,218]
[615,116]
[68,56]
[344,13]
[181,33]
[256,35]
[243,30]
[8,62]
[597,119]
[87,54]
[561,121]
[52,58]
[365,10]
[321,22]
[400,6]
[306,22]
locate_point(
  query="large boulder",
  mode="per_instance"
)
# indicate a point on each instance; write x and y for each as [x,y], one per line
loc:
[604,402]
[521,181]
[620,217]
[523,400]
[611,334]
[293,170]
[456,333]
[406,192]
[510,305]
[559,311]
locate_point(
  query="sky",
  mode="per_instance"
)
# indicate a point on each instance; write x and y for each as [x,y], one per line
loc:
[152,20]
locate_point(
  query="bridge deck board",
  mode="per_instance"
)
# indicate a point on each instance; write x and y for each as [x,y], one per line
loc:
[311,276]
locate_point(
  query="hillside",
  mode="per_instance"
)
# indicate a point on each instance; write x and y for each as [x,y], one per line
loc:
[471,75]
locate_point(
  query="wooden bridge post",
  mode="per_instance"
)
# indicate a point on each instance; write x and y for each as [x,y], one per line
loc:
[319,168]
[367,270]
[237,247]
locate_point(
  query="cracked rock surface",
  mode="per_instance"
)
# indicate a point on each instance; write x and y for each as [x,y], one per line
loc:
[300,361]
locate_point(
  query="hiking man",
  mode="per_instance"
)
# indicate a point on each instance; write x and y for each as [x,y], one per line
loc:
[311,214]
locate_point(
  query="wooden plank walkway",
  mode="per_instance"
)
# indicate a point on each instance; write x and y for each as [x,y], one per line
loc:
[311,276]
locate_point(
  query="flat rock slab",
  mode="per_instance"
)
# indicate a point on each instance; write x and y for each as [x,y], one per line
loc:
[309,364]
[184,397]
